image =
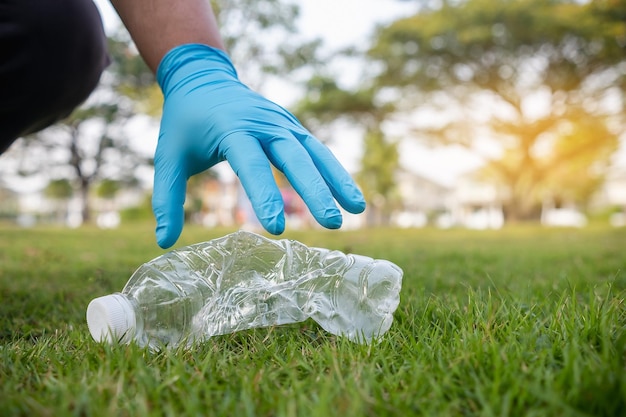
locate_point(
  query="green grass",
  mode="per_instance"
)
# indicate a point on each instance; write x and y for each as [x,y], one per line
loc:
[522,322]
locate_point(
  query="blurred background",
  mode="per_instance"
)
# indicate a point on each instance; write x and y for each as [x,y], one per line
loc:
[449,113]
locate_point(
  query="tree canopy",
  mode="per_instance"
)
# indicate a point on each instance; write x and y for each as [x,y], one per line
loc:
[543,79]
[327,102]
[253,31]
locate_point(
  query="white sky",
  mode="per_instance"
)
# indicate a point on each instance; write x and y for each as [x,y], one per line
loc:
[343,23]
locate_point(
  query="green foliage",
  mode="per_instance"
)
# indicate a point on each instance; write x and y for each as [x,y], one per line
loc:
[59,189]
[131,76]
[518,322]
[250,28]
[139,214]
[377,175]
[486,62]
[487,44]
[108,188]
[9,204]
[326,103]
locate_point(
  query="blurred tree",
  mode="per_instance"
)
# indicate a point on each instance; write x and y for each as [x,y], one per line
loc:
[539,79]
[108,189]
[252,31]
[9,204]
[60,191]
[327,103]
[376,177]
[93,143]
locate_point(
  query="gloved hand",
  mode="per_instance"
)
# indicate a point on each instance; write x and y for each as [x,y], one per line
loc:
[210,116]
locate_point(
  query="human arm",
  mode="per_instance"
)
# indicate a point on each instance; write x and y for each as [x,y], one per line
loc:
[210,116]
[157,26]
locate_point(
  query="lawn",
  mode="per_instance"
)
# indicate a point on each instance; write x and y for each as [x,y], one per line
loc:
[520,322]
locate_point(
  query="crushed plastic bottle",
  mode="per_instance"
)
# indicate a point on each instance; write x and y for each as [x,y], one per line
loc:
[243,281]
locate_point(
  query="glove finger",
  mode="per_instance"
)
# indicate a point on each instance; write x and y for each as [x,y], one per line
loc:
[170,184]
[340,182]
[288,155]
[247,159]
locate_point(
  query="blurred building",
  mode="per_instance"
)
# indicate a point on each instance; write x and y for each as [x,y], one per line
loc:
[468,203]
[422,200]
[475,205]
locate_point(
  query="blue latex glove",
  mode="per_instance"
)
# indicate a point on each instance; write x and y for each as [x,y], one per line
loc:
[210,116]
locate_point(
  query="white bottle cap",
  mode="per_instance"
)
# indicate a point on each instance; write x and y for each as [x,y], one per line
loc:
[111,318]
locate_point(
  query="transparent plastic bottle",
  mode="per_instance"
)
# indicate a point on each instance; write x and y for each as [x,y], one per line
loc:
[242,281]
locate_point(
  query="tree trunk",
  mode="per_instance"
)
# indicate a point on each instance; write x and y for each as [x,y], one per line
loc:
[517,211]
[84,200]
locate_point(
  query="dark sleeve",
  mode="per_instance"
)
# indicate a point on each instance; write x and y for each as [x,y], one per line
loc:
[52,53]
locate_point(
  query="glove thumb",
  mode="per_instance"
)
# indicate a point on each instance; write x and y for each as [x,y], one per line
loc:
[170,184]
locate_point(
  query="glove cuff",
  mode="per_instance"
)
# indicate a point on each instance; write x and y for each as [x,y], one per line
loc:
[194,58]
